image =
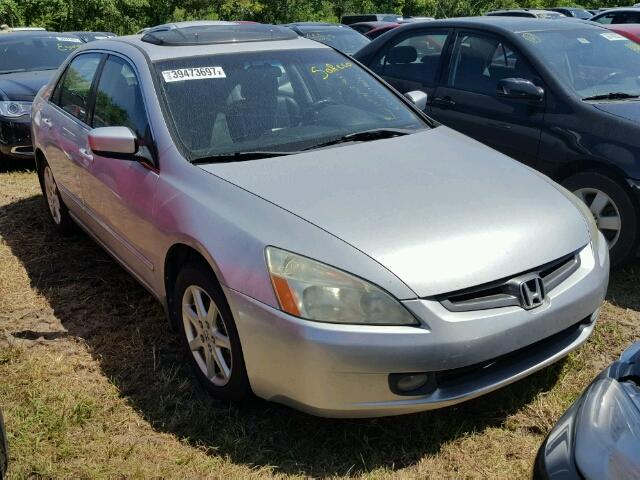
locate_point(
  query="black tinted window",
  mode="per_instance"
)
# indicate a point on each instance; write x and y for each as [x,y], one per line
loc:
[22,53]
[76,85]
[118,98]
[480,61]
[415,58]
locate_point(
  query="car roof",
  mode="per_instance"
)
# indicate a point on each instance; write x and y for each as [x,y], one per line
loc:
[161,52]
[504,24]
[376,24]
[620,9]
[316,24]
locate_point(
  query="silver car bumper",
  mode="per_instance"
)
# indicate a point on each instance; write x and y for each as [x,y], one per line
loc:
[343,370]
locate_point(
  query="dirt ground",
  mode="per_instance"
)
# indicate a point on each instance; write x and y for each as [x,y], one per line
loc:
[92,384]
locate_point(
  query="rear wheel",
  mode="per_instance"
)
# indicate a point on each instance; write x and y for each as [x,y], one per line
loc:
[613,210]
[58,211]
[208,333]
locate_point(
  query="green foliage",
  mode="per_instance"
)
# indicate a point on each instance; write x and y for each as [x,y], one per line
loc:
[128,16]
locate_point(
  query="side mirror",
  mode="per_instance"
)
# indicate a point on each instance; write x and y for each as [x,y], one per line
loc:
[418,98]
[114,142]
[519,88]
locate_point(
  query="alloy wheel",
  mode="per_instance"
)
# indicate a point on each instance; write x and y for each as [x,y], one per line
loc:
[605,212]
[207,335]
[53,198]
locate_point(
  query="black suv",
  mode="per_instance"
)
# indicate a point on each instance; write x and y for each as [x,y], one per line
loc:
[559,95]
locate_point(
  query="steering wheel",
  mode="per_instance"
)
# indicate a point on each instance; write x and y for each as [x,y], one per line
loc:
[313,110]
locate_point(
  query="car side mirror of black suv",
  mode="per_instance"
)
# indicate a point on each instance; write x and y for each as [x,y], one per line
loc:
[520,88]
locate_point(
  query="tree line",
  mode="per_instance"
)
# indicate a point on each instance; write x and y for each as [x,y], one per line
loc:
[128,16]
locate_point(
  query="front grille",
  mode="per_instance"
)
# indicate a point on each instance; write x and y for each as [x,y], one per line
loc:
[504,293]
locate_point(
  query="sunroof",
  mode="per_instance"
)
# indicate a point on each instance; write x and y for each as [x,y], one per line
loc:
[210,34]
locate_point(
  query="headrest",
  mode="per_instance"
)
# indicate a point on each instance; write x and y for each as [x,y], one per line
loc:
[403,54]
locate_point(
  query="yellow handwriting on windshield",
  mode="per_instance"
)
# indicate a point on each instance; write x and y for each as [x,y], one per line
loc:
[329,69]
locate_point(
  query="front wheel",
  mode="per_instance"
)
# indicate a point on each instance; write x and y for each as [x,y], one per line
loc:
[208,333]
[613,210]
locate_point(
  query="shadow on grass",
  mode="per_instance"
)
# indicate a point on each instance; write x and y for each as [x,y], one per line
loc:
[17,165]
[128,334]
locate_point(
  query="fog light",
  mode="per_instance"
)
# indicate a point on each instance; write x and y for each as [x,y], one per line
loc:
[412,381]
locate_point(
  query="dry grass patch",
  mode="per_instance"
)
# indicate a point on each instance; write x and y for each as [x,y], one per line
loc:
[92,384]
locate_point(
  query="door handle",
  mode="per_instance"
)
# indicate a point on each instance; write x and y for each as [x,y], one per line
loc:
[47,123]
[444,101]
[86,154]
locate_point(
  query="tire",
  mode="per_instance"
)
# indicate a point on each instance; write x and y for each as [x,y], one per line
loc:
[217,360]
[58,211]
[608,199]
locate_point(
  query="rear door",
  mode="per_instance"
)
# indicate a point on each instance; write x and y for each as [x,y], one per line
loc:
[120,194]
[467,98]
[412,61]
[64,119]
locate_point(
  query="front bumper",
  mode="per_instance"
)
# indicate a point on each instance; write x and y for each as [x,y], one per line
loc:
[15,137]
[343,370]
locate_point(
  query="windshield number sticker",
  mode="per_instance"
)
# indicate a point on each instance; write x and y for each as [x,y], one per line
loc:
[68,39]
[612,37]
[330,69]
[197,73]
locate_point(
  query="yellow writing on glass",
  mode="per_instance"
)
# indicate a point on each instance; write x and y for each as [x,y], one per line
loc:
[329,69]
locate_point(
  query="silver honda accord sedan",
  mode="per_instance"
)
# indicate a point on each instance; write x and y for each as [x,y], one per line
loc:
[315,239]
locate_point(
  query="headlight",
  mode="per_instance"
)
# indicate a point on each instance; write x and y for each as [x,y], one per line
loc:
[314,291]
[14,109]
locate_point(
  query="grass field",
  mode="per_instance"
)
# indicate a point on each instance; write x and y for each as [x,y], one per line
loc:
[92,384]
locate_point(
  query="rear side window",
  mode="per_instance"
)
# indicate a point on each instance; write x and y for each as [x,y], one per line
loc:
[75,86]
[616,18]
[119,99]
[480,61]
[415,58]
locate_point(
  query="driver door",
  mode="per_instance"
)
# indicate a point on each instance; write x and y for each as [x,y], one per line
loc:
[467,99]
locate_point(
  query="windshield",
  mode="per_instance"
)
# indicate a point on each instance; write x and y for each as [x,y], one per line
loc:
[343,39]
[28,53]
[278,101]
[590,62]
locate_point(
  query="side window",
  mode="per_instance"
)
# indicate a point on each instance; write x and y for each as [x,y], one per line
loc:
[414,58]
[605,19]
[480,61]
[75,85]
[119,99]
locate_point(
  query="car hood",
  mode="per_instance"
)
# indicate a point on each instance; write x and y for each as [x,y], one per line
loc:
[438,209]
[629,109]
[23,86]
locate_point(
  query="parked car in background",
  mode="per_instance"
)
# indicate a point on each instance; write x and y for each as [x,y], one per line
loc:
[561,97]
[315,238]
[526,13]
[91,36]
[599,435]
[28,61]
[573,12]
[340,37]
[617,15]
[374,17]
[7,29]
[4,449]
[373,30]
[629,30]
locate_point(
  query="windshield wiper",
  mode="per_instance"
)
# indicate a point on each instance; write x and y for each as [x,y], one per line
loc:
[611,96]
[240,156]
[365,135]
[16,70]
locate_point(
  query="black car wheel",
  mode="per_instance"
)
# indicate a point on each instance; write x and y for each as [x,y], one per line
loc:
[208,334]
[613,209]
[58,211]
